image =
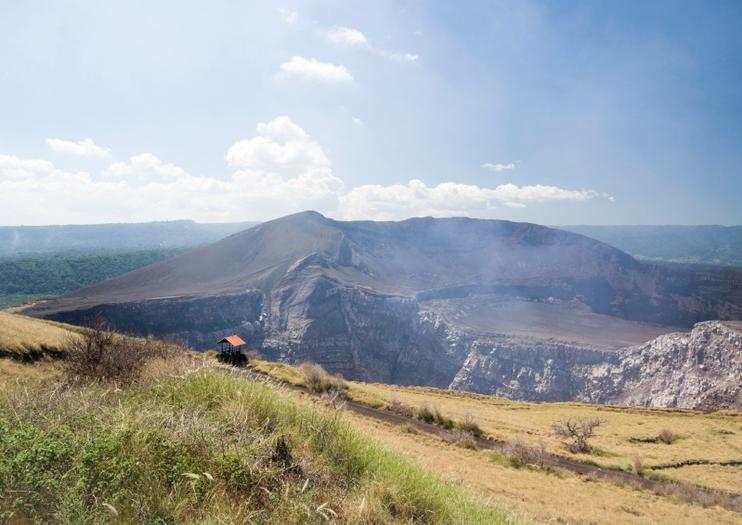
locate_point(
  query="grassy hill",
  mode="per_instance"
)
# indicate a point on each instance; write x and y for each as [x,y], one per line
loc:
[20,337]
[193,441]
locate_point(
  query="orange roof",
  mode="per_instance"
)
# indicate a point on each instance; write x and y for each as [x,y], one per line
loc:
[233,340]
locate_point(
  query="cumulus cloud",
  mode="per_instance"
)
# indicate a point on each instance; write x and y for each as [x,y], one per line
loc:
[281,169]
[447,199]
[279,145]
[82,148]
[346,36]
[145,168]
[11,167]
[288,16]
[498,167]
[314,69]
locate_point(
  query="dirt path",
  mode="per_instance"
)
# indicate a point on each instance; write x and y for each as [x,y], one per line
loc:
[687,491]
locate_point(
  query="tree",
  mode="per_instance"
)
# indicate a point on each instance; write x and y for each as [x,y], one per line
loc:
[577,432]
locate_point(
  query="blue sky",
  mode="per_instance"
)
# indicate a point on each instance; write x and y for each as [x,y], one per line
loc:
[548,112]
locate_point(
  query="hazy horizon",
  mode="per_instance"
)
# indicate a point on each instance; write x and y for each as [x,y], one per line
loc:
[334,218]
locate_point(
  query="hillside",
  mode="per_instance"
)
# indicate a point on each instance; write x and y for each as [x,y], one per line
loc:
[25,339]
[704,245]
[195,442]
[408,302]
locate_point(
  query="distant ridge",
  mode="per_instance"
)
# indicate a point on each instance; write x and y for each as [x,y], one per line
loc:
[702,245]
[16,241]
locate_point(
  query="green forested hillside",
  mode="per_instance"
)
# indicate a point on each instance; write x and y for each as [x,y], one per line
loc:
[704,245]
[29,278]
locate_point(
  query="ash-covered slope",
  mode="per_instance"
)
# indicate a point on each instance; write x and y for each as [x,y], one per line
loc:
[407,301]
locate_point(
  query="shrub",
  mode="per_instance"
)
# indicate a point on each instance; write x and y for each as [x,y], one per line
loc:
[577,432]
[396,406]
[667,436]
[433,415]
[335,399]
[639,468]
[318,381]
[469,424]
[461,439]
[98,354]
[521,455]
[425,413]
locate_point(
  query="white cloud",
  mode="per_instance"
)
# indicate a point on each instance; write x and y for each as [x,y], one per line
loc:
[288,16]
[499,167]
[357,121]
[145,168]
[410,58]
[13,167]
[281,128]
[82,148]
[447,199]
[314,69]
[281,169]
[279,145]
[349,36]
[346,36]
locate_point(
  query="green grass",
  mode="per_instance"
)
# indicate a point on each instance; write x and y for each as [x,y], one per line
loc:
[208,447]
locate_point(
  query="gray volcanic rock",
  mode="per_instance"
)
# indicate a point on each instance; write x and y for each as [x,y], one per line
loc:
[700,369]
[510,308]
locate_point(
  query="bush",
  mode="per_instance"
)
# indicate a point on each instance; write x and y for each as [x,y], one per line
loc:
[469,424]
[318,381]
[461,439]
[521,455]
[639,468]
[433,415]
[98,354]
[667,436]
[577,432]
[396,406]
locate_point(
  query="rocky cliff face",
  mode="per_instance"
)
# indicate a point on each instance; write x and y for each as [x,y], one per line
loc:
[700,369]
[697,369]
[512,309]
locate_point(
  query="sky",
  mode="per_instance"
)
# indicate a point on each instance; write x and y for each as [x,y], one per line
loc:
[224,110]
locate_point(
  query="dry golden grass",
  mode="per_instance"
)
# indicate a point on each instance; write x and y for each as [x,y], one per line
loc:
[282,371]
[11,369]
[715,476]
[546,497]
[20,335]
[713,436]
[625,435]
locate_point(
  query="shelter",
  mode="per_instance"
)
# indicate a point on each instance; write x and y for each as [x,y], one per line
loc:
[230,350]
